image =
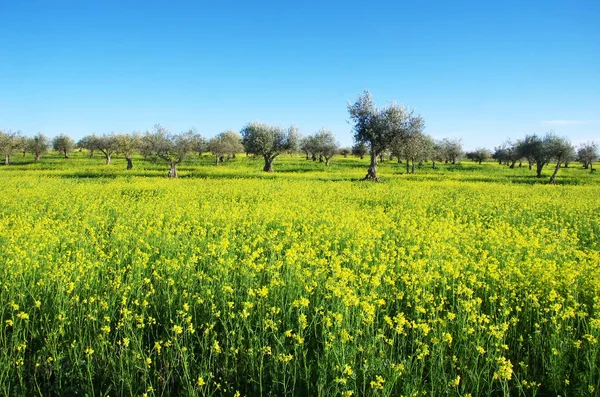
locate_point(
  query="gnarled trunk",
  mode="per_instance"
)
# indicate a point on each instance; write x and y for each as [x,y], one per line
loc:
[372,172]
[129,163]
[66,154]
[6,159]
[553,177]
[538,169]
[173,171]
[512,165]
[268,164]
[91,153]
[327,161]
[37,156]
[108,159]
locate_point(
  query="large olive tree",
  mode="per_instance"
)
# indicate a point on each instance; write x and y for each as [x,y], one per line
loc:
[268,141]
[587,154]
[378,127]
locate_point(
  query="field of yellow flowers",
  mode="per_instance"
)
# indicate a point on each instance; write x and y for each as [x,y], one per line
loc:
[231,284]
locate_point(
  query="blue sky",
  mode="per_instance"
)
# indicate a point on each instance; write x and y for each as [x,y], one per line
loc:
[481,71]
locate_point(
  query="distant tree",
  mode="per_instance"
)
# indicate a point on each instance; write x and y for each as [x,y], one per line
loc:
[360,149]
[268,141]
[160,143]
[377,128]
[560,150]
[127,145]
[90,143]
[480,155]
[38,145]
[437,153]
[500,153]
[587,154]
[414,146]
[226,143]
[304,144]
[108,145]
[326,145]
[10,143]
[64,144]
[345,151]
[199,144]
[452,150]
[532,149]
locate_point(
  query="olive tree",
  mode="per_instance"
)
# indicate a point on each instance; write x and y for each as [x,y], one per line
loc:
[480,155]
[533,150]
[38,145]
[108,145]
[360,149]
[587,154]
[127,145]
[10,143]
[560,150]
[378,127]
[345,151]
[63,144]
[268,141]
[161,144]
[90,143]
[324,144]
[452,150]
[225,143]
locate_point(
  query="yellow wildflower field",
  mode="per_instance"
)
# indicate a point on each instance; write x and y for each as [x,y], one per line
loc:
[138,285]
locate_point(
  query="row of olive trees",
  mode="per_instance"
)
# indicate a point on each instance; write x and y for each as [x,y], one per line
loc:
[542,150]
[12,142]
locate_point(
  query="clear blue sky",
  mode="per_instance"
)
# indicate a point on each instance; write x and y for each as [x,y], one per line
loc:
[482,71]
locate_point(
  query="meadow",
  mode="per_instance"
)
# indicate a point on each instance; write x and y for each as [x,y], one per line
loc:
[468,280]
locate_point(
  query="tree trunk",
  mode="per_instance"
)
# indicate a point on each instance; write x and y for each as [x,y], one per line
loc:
[91,153]
[314,157]
[24,153]
[585,164]
[520,164]
[591,167]
[327,161]
[399,160]
[307,156]
[412,171]
[129,163]
[362,156]
[6,160]
[530,165]
[173,171]
[433,162]
[553,177]
[372,173]
[268,164]
[512,165]
[66,154]
[381,157]
[216,160]
[566,164]
[37,156]
[320,158]
[407,166]
[538,169]
[221,158]
[108,159]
